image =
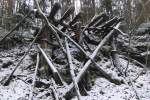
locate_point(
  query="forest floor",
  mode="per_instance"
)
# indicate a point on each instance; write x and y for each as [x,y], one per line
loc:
[102,89]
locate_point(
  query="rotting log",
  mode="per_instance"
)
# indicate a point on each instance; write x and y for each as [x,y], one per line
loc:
[52,27]
[134,61]
[89,57]
[55,73]
[107,25]
[111,22]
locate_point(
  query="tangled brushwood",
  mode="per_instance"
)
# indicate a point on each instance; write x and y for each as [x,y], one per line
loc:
[65,59]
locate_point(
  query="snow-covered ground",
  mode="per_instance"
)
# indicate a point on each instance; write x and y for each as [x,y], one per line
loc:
[102,89]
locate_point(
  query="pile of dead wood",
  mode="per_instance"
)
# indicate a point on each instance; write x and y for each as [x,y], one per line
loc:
[101,33]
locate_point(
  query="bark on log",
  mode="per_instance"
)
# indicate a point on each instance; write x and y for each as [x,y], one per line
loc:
[72,71]
[80,48]
[55,73]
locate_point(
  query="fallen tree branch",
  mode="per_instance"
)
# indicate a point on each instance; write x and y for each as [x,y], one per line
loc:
[55,73]
[72,71]
[7,80]
[78,46]
[49,25]
[86,66]
[34,78]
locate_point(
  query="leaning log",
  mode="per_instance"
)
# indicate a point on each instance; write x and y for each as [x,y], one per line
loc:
[55,73]
[86,66]
[49,26]
[72,71]
[7,80]
[89,57]
[54,29]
